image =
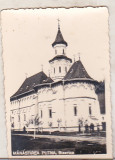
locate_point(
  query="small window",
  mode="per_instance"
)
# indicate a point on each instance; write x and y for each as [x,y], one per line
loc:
[63,51]
[24,117]
[59,69]
[41,114]
[50,113]
[75,111]
[66,69]
[55,51]
[54,70]
[90,111]
[18,118]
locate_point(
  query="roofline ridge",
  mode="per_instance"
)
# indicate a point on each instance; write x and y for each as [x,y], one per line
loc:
[22,93]
[34,75]
[63,80]
[60,56]
[85,79]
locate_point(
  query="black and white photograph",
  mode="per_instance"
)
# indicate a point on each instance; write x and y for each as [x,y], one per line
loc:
[57,82]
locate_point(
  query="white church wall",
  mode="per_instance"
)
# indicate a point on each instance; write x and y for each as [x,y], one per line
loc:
[60,49]
[45,99]
[80,89]
[56,73]
[22,111]
[49,98]
[82,97]
[61,101]
[44,108]
[59,107]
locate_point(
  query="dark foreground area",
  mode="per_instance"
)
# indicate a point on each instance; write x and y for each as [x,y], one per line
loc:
[28,144]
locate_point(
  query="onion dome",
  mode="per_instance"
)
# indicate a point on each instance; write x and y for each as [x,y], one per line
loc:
[59,39]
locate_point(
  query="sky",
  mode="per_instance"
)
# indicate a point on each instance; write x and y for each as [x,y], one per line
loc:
[27,37]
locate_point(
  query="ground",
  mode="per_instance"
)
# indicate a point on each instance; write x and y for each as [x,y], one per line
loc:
[52,144]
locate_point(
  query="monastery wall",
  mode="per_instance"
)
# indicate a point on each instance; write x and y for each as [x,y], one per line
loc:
[23,111]
[49,100]
[81,96]
[58,107]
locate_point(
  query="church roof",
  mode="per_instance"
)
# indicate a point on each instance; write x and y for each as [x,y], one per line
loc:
[58,57]
[59,39]
[100,88]
[77,71]
[30,82]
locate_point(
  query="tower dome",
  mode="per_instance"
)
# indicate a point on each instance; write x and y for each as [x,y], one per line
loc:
[60,63]
[59,39]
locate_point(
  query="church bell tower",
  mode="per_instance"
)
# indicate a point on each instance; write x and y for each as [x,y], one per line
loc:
[60,64]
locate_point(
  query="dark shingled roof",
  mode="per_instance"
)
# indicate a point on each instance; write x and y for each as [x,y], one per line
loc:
[31,82]
[59,39]
[77,71]
[58,57]
[100,88]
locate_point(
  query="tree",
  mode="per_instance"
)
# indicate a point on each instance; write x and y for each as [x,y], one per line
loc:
[35,121]
[82,123]
[50,125]
[59,122]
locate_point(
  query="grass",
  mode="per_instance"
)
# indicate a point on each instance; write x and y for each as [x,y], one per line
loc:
[27,143]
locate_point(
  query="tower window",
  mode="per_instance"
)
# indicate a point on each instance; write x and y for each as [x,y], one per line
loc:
[24,117]
[50,113]
[41,114]
[54,70]
[63,51]
[55,51]
[66,69]
[75,111]
[90,111]
[59,69]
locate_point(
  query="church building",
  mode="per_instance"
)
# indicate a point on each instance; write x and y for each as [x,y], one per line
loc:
[64,101]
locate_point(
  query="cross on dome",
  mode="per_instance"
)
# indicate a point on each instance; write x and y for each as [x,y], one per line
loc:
[74,56]
[58,23]
[59,38]
[79,56]
[26,74]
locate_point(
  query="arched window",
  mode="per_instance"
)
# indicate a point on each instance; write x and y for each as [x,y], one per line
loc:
[50,113]
[41,114]
[75,111]
[59,69]
[90,111]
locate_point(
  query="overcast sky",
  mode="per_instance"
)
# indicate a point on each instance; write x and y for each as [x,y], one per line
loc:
[28,35]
